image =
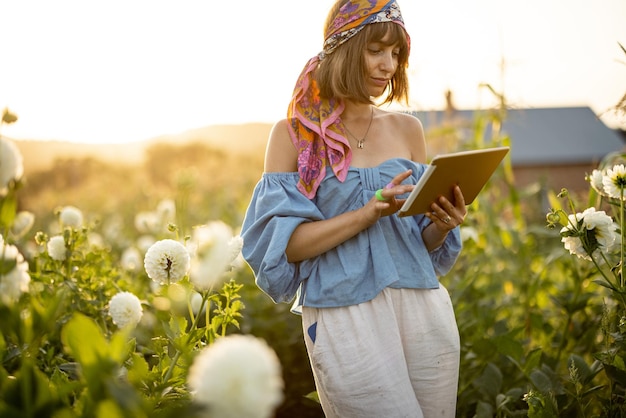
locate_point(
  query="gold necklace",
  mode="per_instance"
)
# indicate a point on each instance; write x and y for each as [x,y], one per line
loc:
[360,143]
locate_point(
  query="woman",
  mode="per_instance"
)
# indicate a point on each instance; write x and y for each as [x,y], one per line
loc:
[322,227]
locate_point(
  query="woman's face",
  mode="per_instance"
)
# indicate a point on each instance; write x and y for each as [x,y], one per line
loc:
[381,62]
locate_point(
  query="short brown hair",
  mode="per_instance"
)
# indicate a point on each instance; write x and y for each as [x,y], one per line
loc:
[342,73]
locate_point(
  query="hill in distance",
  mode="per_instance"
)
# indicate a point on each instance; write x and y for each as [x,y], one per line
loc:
[247,139]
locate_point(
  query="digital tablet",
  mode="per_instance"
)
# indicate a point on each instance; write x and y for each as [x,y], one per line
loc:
[469,169]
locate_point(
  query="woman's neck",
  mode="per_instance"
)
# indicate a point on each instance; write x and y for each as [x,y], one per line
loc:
[355,111]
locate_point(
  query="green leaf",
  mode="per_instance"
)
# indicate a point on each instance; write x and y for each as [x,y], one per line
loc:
[618,362]
[583,370]
[540,406]
[533,360]
[8,210]
[139,369]
[122,393]
[3,346]
[615,374]
[83,338]
[314,396]
[490,381]
[509,347]
[6,266]
[29,391]
[120,345]
[604,283]
[175,328]
[108,409]
[541,380]
[484,410]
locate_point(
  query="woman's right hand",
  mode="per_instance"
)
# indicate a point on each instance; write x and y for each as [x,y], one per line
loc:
[375,209]
[311,239]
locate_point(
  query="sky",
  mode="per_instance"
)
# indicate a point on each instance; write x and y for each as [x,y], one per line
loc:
[118,71]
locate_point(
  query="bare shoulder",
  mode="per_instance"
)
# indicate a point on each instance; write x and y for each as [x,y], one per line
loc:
[410,129]
[280,155]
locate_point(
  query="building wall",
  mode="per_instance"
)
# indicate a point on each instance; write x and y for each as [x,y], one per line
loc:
[555,177]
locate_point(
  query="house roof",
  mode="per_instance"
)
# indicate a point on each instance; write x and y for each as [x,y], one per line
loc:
[540,136]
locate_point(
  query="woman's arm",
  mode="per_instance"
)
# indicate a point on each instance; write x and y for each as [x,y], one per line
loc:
[434,234]
[311,239]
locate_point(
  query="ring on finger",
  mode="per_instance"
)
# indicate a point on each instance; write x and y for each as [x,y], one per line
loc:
[447,219]
[379,196]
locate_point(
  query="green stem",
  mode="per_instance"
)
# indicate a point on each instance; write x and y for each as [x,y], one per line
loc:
[26,389]
[570,316]
[205,297]
[194,325]
[225,323]
[564,338]
[600,270]
[209,328]
[613,286]
[170,369]
[621,220]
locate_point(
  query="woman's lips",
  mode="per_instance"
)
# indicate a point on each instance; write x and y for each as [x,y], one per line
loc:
[381,82]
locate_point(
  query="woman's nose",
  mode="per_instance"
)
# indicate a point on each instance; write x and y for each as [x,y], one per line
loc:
[388,62]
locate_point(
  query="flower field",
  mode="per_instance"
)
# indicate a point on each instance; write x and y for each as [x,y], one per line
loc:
[112,312]
[123,294]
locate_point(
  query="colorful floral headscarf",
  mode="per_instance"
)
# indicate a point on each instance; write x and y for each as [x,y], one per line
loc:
[315,126]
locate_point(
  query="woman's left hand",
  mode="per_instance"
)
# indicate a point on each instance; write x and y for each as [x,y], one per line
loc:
[447,216]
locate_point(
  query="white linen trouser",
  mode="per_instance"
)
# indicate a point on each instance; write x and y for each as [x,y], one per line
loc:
[394,356]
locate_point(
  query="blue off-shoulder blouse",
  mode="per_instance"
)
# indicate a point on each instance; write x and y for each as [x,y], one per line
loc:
[390,253]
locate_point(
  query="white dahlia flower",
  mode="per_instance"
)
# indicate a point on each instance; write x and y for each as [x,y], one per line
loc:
[125,309]
[166,209]
[56,248]
[596,181]
[71,216]
[588,232]
[131,259]
[14,277]
[237,376]
[24,221]
[147,222]
[196,302]
[214,250]
[614,181]
[144,242]
[11,164]
[167,261]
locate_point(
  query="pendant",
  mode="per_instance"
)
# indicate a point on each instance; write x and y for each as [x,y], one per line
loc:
[359,144]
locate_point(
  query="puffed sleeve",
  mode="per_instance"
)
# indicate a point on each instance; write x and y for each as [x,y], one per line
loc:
[444,256]
[277,207]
